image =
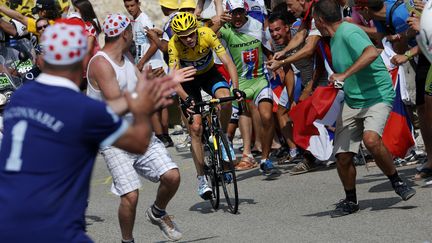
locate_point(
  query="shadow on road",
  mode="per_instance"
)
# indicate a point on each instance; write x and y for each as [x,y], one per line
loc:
[205,207]
[196,240]
[90,219]
[371,204]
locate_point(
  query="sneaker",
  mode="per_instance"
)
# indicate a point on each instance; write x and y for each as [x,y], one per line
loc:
[166,224]
[227,177]
[169,141]
[204,191]
[399,162]
[403,190]
[129,241]
[344,207]
[296,159]
[281,152]
[177,130]
[163,139]
[304,167]
[185,145]
[268,169]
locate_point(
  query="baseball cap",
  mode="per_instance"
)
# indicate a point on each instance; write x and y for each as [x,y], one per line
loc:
[65,42]
[171,4]
[43,5]
[234,4]
[115,24]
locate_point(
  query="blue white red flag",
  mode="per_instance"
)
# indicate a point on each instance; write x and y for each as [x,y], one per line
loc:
[398,132]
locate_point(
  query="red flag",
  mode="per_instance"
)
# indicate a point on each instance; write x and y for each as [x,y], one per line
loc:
[397,135]
[305,113]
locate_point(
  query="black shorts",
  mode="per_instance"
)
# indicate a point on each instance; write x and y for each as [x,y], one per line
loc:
[209,81]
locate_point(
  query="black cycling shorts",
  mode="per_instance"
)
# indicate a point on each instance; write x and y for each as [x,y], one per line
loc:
[209,81]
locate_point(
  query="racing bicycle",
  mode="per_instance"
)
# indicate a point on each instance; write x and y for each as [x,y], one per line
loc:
[219,167]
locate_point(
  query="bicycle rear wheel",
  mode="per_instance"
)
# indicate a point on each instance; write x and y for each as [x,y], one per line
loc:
[212,177]
[227,176]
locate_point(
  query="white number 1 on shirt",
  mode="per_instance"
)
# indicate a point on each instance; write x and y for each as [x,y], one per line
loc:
[14,162]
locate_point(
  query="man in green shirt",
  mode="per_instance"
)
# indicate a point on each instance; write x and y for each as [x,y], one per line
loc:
[244,38]
[369,97]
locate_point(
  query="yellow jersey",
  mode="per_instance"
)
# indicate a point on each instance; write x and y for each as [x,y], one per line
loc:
[201,56]
[31,25]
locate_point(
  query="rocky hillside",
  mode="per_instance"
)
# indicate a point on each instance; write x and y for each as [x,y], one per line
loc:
[150,7]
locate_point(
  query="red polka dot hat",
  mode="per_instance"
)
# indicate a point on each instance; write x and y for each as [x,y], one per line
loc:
[64,43]
[114,24]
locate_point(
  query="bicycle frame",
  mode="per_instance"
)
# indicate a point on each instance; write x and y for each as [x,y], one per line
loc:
[215,141]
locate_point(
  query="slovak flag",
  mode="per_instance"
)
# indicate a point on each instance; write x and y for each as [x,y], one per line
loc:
[398,132]
[311,116]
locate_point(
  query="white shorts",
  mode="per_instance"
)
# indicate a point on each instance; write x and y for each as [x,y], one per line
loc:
[265,94]
[125,167]
[283,99]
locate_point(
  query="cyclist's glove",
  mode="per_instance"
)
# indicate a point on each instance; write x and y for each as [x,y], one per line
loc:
[239,93]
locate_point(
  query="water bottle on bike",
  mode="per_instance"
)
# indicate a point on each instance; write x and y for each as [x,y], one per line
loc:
[224,153]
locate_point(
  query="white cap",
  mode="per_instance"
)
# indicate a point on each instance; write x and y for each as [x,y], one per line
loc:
[115,24]
[64,43]
[234,4]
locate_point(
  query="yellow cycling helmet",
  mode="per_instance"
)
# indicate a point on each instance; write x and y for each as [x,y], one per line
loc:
[184,23]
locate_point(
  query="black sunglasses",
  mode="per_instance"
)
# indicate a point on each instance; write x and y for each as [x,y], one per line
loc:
[42,27]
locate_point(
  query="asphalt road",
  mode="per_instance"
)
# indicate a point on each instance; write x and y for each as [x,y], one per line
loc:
[287,209]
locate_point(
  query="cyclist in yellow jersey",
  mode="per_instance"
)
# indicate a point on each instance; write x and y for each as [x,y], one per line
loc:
[192,46]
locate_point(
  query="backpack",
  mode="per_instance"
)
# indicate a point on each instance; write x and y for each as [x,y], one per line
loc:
[389,26]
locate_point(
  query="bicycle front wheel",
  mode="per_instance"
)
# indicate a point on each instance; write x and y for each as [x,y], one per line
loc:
[227,175]
[212,177]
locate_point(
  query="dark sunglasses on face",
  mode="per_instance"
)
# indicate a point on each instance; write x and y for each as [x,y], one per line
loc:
[39,28]
[191,35]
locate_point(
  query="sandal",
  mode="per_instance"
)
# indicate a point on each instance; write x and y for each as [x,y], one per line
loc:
[246,163]
[423,173]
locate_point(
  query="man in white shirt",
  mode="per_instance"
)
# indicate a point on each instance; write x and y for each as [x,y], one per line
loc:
[147,52]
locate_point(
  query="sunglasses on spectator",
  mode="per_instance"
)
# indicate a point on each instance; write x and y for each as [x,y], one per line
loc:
[39,28]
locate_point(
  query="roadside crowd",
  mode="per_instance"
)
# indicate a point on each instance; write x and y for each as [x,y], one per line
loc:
[315,80]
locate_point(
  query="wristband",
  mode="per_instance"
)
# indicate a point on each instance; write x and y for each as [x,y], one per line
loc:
[409,55]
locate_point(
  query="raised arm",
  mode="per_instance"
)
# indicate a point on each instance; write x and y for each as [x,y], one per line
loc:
[8,27]
[146,57]
[368,55]
[294,42]
[14,15]
[304,52]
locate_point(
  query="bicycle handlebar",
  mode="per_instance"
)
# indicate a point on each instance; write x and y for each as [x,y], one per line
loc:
[216,101]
